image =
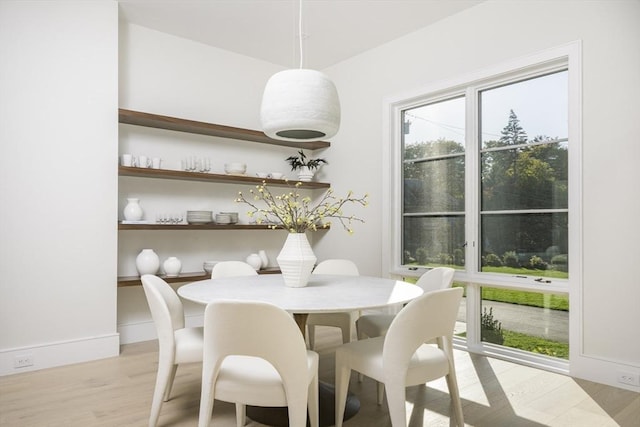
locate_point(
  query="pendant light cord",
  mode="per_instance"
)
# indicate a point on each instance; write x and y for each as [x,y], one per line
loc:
[300,31]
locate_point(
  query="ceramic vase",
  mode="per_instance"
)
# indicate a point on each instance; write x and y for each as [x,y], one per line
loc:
[296,260]
[264,258]
[133,211]
[172,267]
[147,262]
[254,261]
[305,174]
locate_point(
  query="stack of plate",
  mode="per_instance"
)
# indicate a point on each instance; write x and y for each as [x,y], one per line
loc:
[233,217]
[199,217]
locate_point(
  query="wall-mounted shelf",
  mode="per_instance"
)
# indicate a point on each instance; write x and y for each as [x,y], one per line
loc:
[202,128]
[125,281]
[212,177]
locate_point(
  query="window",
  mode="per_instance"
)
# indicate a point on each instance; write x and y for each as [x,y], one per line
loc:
[480,181]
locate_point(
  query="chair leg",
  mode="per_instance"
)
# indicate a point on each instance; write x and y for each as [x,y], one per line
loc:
[169,386]
[380,392]
[164,377]
[297,415]
[313,403]
[452,384]
[343,372]
[206,403]
[396,398]
[311,334]
[241,415]
[346,334]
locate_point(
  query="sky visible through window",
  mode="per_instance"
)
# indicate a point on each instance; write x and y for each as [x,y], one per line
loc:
[539,103]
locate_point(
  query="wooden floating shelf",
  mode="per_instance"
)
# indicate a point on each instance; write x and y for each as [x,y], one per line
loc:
[139,118]
[210,226]
[213,177]
[125,281]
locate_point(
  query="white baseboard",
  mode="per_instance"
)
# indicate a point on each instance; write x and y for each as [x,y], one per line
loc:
[603,371]
[59,353]
[146,331]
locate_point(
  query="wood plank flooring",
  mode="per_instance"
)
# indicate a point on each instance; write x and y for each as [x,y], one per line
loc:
[117,392]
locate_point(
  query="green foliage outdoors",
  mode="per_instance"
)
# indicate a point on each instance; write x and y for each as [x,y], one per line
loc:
[536,344]
[533,299]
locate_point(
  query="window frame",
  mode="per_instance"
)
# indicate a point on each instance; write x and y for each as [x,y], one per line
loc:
[469,85]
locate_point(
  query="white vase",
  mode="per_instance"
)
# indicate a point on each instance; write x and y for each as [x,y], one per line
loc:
[133,211]
[305,174]
[147,262]
[264,258]
[172,266]
[296,260]
[254,261]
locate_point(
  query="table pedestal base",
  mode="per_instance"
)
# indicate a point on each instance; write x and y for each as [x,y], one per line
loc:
[278,417]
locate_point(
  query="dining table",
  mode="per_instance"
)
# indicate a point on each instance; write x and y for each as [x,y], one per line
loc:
[322,294]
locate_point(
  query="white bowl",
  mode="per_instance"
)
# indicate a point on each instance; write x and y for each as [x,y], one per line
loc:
[262,175]
[235,168]
[276,175]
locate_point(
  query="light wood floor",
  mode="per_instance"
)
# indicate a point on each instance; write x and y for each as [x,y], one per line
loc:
[117,392]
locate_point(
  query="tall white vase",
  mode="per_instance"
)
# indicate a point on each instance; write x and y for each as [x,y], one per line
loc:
[296,260]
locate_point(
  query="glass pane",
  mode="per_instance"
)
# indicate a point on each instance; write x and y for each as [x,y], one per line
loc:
[434,186]
[528,321]
[530,110]
[533,177]
[433,241]
[528,244]
[433,129]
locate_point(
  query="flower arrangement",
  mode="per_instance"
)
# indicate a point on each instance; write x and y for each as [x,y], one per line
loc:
[296,213]
[300,161]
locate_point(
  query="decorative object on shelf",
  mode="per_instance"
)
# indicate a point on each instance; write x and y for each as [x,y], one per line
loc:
[199,217]
[195,164]
[306,167]
[296,214]
[254,261]
[300,104]
[133,211]
[296,260]
[235,168]
[172,266]
[147,262]
[263,258]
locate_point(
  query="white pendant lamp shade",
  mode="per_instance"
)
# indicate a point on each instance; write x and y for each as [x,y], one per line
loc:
[300,105]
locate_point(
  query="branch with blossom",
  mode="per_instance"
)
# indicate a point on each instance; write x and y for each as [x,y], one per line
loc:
[296,213]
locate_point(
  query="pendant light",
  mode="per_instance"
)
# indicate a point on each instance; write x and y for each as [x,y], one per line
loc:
[300,104]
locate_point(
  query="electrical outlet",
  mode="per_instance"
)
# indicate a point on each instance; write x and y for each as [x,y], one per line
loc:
[23,361]
[629,378]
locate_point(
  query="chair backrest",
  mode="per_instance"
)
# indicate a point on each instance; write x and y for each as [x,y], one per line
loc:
[431,315]
[165,305]
[337,266]
[436,278]
[258,329]
[232,269]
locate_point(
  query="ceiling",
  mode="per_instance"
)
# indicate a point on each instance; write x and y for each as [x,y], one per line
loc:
[333,30]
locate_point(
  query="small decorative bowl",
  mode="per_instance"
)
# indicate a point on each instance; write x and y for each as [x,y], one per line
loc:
[235,168]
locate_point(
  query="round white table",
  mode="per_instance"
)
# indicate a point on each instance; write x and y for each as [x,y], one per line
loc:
[323,294]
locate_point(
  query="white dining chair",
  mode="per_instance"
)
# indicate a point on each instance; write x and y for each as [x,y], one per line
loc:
[344,321]
[401,358]
[232,269]
[375,325]
[176,343]
[255,354]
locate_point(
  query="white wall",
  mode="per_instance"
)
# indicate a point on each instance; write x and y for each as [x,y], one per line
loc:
[58,136]
[489,34]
